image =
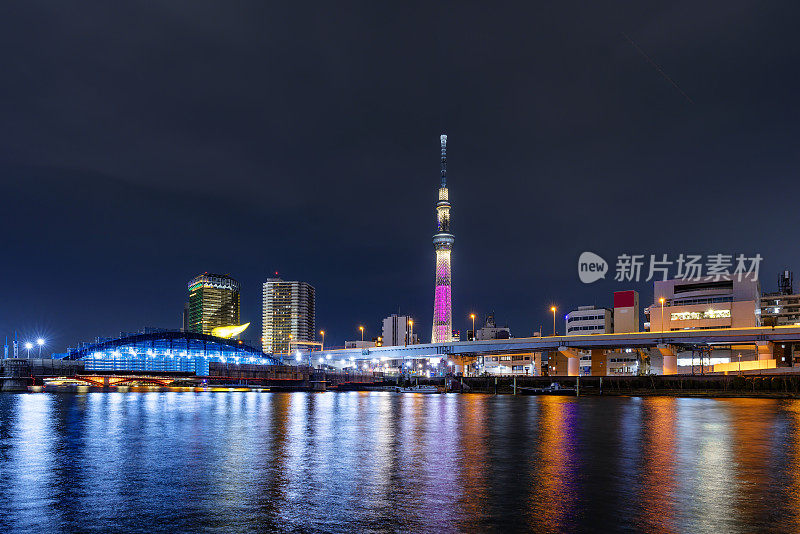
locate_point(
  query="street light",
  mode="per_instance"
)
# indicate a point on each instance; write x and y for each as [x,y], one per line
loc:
[28,347]
[472,316]
[362,332]
[322,333]
[553,309]
[411,335]
[661,300]
[289,348]
[40,342]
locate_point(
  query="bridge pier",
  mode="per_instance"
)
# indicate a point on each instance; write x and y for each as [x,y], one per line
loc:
[536,359]
[766,350]
[669,358]
[14,373]
[566,362]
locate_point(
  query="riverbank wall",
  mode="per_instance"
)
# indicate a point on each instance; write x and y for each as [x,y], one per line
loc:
[778,386]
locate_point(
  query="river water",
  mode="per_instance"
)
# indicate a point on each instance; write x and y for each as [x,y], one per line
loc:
[382,462]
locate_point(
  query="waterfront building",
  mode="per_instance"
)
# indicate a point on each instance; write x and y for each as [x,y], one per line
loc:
[443,245]
[213,302]
[589,320]
[782,307]
[289,315]
[729,302]
[490,330]
[397,331]
[164,351]
[687,304]
[528,364]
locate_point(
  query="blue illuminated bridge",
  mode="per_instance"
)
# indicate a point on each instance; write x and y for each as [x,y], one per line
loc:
[168,351]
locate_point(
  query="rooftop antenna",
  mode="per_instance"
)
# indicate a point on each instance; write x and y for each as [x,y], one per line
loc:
[443,139]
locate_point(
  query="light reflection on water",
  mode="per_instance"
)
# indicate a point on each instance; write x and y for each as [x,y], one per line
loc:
[352,462]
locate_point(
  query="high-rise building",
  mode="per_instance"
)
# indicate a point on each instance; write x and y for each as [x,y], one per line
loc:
[213,302]
[289,310]
[443,243]
[397,330]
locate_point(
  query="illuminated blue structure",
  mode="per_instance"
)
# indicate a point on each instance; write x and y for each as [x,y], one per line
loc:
[166,351]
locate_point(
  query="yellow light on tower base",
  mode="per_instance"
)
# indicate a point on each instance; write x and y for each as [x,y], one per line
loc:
[362,332]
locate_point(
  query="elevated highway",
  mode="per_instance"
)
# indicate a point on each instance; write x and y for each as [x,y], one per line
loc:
[669,343]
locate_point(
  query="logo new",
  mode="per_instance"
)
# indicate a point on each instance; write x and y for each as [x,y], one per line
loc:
[591,267]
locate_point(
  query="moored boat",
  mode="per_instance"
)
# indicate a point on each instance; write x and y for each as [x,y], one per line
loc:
[553,389]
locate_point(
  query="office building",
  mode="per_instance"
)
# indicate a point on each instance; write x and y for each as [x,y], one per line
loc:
[688,304]
[397,330]
[782,307]
[528,364]
[490,330]
[213,302]
[589,320]
[626,312]
[289,312]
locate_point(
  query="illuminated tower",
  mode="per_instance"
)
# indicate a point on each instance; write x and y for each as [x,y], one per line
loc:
[213,301]
[443,243]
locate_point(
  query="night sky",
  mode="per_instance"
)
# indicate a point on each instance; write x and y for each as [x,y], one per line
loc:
[145,142]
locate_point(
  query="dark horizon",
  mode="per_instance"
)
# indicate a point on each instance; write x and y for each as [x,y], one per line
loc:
[146,145]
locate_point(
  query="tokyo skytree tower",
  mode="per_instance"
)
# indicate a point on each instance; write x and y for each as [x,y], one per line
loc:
[443,243]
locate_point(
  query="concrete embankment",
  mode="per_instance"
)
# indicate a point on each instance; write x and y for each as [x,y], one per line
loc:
[775,386]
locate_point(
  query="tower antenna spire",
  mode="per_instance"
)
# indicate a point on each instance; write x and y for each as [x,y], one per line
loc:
[443,139]
[443,243]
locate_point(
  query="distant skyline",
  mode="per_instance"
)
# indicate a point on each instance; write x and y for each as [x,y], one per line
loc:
[144,146]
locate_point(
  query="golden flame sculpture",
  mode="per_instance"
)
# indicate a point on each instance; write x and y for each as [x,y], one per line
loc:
[228,332]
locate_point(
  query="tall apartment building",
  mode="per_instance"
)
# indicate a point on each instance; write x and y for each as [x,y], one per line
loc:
[213,302]
[289,315]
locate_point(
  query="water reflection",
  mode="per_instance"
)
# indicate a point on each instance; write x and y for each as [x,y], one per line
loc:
[241,462]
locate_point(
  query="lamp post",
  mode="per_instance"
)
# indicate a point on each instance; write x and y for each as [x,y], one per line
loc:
[40,342]
[411,333]
[322,333]
[740,364]
[28,347]
[472,316]
[289,346]
[661,300]
[553,309]
[362,332]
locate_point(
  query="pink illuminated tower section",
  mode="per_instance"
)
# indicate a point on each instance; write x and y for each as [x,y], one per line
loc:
[443,243]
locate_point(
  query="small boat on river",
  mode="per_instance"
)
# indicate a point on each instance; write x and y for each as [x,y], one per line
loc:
[553,389]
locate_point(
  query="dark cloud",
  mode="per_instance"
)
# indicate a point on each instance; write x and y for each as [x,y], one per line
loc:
[145,142]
